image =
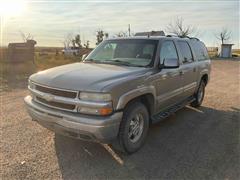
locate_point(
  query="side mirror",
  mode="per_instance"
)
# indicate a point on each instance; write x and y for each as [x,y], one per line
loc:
[170,63]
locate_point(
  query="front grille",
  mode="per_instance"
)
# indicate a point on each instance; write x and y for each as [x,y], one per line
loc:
[56,104]
[57,92]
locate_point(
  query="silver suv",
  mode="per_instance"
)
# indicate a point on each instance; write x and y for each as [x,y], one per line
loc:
[120,88]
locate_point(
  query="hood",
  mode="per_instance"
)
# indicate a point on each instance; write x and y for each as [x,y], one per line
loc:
[85,76]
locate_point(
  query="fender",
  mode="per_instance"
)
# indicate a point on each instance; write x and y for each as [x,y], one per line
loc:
[204,69]
[139,91]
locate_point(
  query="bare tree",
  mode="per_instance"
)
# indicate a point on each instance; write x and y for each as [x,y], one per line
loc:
[73,43]
[106,35]
[78,41]
[67,40]
[179,29]
[224,35]
[101,35]
[26,37]
[86,45]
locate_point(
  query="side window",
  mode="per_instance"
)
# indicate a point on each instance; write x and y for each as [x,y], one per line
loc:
[168,51]
[200,51]
[185,51]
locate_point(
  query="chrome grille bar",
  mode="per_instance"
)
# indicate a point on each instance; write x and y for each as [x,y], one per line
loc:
[61,102]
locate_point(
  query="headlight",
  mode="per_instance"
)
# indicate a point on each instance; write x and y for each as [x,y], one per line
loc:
[96,97]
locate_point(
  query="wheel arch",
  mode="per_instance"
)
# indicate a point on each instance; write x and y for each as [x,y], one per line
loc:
[205,78]
[146,99]
[146,96]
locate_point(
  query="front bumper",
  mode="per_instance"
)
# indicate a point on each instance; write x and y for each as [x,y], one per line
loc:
[92,128]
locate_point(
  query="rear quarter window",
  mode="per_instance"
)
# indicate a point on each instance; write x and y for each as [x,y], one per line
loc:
[200,51]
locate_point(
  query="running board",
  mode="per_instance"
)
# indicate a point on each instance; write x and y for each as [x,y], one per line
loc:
[166,113]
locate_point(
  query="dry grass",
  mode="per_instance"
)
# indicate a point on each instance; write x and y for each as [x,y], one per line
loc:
[14,75]
[52,60]
[236,52]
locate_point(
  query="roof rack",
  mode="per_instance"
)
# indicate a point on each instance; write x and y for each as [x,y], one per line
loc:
[183,37]
[194,38]
[171,35]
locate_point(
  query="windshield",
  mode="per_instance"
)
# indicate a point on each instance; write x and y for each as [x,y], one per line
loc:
[128,52]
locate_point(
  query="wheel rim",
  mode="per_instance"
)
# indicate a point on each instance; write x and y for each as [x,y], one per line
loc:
[136,128]
[200,94]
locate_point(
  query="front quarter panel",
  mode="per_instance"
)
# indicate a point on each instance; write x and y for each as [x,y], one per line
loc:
[139,91]
[127,89]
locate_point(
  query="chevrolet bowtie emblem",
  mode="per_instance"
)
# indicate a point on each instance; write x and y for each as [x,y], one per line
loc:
[48,97]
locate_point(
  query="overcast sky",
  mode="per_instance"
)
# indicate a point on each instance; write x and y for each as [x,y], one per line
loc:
[50,21]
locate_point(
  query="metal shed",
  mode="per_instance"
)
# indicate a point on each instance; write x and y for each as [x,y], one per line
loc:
[226,50]
[151,33]
[21,52]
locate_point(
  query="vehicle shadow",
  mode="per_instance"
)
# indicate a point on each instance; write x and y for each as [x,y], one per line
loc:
[191,144]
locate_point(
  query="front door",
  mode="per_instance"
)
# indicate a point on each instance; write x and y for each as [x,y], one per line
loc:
[168,81]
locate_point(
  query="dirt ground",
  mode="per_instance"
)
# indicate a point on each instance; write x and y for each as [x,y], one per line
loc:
[191,144]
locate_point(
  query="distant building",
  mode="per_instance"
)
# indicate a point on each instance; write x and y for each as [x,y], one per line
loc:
[71,51]
[150,33]
[21,52]
[226,50]
[213,51]
[76,51]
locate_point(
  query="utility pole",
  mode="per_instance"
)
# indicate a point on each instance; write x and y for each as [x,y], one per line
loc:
[129,30]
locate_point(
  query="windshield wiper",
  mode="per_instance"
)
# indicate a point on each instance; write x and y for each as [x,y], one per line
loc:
[90,60]
[125,63]
[112,61]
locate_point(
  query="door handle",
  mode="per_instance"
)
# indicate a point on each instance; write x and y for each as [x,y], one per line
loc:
[194,69]
[181,73]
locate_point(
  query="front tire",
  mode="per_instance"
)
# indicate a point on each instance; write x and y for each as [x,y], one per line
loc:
[199,96]
[134,127]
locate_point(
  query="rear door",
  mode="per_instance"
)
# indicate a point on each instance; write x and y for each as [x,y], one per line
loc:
[188,69]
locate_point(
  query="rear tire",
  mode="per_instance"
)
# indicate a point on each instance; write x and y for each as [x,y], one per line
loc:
[199,96]
[134,127]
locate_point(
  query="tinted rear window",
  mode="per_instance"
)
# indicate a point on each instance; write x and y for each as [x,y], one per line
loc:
[185,51]
[200,51]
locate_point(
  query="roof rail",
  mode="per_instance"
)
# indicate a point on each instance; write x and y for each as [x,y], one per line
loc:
[182,37]
[190,37]
[194,38]
[171,35]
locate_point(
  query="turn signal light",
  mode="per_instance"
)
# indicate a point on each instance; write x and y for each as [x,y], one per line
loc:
[105,111]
